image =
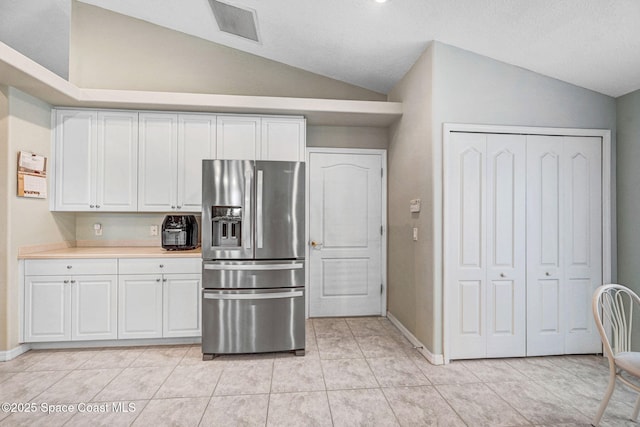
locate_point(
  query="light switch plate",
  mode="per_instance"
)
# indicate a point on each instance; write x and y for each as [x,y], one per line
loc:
[414,205]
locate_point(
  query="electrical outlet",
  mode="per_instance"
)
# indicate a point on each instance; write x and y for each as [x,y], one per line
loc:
[415,234]
[153,230]
[97,229]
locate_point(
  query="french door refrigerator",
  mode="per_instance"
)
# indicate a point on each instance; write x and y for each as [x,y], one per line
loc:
[253,269]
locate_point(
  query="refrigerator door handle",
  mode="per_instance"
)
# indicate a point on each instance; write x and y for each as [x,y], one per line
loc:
[259,219]
[256,267]
[272,295]
[246,223]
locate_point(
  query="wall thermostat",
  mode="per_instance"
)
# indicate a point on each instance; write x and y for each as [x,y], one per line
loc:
[414,205]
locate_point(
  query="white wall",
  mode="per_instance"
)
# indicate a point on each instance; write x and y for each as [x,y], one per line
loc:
[410,264]
[49,19]
[470,88]
[463,87]
[29,221]
[113,51]
[628,206]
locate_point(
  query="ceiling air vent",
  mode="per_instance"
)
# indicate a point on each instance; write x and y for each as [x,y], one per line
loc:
[235,20]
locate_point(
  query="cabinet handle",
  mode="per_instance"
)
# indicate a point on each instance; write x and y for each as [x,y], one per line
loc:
[161,265]
[98,206]
[547,274]
[157,280]
[69,267]
[73,281]
[65,282]
[92,206]
[173,207]
[502,275]
[179,207]
[164,280]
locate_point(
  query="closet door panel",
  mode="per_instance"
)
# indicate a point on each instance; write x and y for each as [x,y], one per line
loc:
[505,225]
[583,237]
[545,298]
[467,249]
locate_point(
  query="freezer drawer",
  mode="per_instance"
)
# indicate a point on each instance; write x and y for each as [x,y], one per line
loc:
[252,321]
[252,274]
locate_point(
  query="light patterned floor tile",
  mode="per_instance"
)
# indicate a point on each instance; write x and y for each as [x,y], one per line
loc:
[108,414]
[478,405]
[190,381]
[397,371]
[248,410]
[536,403]
[421,406]
[331,327]
[297,374]
[24,386]
[299,409]
[453,373]
[245,378]
[79,386]
[367,407]
[134,384]
[160,356]
[172,412]
[113,358]
[341,374]
[338,347]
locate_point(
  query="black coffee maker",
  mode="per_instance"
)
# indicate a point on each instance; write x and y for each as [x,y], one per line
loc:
[179,232]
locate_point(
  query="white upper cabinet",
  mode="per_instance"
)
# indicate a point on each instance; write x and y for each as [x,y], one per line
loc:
[172,147]
[157,168]
[127,161]
[196,141]
[238,137]
[261,138]
[95,160]
[283,138]
[117,161]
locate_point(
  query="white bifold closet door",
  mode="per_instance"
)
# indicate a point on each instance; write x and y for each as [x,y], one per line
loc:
[523,244]
[486,250]
[564,243]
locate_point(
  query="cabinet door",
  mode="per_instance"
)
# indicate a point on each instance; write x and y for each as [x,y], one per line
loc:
[196,141]
[117,161]
[47,308]
[181,294]
[283,139]
[238,137]
[75,144]
[94,307]
[139,306]
[157,162]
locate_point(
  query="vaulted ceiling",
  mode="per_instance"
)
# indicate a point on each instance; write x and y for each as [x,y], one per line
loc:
[590,43]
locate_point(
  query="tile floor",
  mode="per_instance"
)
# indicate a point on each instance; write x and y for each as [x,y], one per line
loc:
[357,371]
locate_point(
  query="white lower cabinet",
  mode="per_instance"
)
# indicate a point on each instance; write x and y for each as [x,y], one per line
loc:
[155,305]
[140,306]
[150,298]
[63,308]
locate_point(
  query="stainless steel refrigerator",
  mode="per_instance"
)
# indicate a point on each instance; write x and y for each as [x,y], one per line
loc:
[253,275]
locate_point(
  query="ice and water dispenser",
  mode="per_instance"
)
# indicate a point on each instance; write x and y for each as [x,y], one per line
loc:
[226,226]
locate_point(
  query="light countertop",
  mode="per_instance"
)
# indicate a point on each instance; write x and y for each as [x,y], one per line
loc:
[112,252]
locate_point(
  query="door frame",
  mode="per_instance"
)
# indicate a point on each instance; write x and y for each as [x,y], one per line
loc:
[383,210]
[608,208]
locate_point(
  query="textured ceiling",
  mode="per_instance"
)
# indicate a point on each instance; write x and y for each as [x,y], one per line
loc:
[590,43]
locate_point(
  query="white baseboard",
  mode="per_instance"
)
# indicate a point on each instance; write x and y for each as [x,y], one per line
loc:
[434,359]
[114,343]
[13,353]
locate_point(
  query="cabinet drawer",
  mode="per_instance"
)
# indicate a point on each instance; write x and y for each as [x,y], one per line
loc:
[54,267]
[160,265]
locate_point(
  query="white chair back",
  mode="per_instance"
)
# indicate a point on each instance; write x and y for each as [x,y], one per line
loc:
[616,303]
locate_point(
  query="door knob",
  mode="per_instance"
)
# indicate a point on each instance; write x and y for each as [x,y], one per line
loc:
[547,274]
[503,275]
[315,244]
